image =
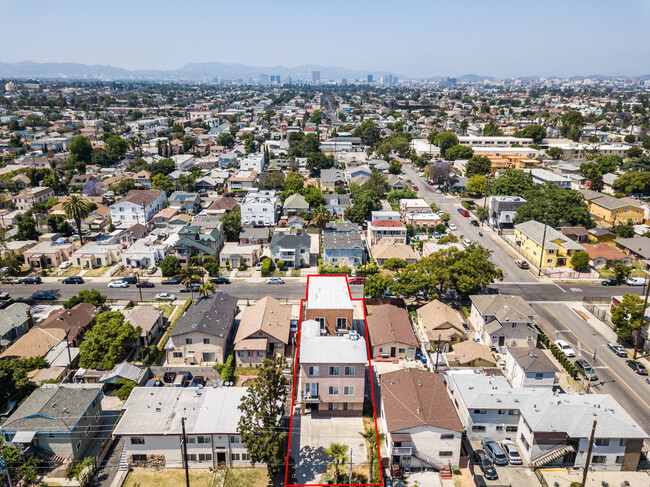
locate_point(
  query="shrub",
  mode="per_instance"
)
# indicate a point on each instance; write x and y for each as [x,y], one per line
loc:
[212,268]
[280,264]
[126,386]
[267,267]
[242,267]
[228,371]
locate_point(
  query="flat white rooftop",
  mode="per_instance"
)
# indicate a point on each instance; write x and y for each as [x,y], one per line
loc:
[328,292]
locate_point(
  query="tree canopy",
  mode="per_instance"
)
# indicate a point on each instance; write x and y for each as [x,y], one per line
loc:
[633,183]
[533,131]
[560,205]
[458,151]
[445,140]
[108,342]
[478,165]
[511,182]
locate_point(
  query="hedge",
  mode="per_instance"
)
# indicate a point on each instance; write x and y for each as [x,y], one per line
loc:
[163,340]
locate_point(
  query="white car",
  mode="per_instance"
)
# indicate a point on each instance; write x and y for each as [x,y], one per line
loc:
[467,242]
[565,347]
[275,280]
[258,267]
[65,265]
[118,284]
[453,227]
[511,452]
[635,281]
[166,296]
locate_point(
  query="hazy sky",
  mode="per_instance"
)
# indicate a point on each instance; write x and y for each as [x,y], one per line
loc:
[412,37]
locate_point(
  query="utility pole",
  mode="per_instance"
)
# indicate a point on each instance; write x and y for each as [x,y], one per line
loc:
[137,279]
[541,257]
[187,470]
[67,344]
[437,352]
[350,478]
[487,189]
[591,445]
[637,345]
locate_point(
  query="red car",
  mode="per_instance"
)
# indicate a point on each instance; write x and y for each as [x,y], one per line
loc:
[463,212]
[357,280]
[522,264]
[144,284]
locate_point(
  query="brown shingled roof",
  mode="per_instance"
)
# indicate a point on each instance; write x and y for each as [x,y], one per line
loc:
[390,324]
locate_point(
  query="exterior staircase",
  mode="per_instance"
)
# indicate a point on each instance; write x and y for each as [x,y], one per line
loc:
[445,473]
[123,464]
[428,460]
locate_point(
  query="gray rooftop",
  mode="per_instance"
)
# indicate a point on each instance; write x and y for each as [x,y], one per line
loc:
[212,314]
[638,245]
[12,316]
[158,411]
[342,241]
[554,240]
[503,307]
[290,241]
[531,359]
[53,407]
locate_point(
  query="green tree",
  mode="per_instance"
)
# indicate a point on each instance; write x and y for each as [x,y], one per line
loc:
[126,386]
[92,296]
[338,453]
[368,132]
[293,183]
[108,342]
[313,196]
[555,153]
[232,224]
[445,140]
[571,124]
[560,205]
[260,425]
[370,435]
[624,230]
[476,184]
[593,175]
[207,288]
[533,131]
[316,117]
[630,138]
[628,316]
[226,140]
[273,180]
[609,163]
[162,182]
[580,260]
[116,146]
[375,285]
[511,182]
[634,152]
[317,161]
[394,263]
[478,165]
[459,152]
[58,224]
[77,209]
[26,226]
[81,150]
[170,266]
[101,157]
[622,271]
[491,129]
[633,183]
[320,217]
[646,143]
[395,167]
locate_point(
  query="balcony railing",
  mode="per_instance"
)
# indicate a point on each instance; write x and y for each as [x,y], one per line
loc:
[310,399]
[402,450]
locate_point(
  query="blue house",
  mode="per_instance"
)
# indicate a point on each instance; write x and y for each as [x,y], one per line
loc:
[343,249]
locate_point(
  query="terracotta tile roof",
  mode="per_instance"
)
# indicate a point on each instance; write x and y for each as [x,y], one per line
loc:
[387,224]
[605,251]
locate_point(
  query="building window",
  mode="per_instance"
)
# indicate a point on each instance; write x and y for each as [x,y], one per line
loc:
[97,416]
[401,350]
[447,437]
[321,322]
[445,454]
[511,429]
[513,412]
[341,323]
[499,428]
[312,370]
[478,429]
[335,370]
[203,439]
[137,440]
[348,370]
[188,341]
[87,430]
[602,442]
[205,457]
[622,442]
[177,354]
[78,446]
[480,411]
[191,439]
[235,439]
[333,390]
[348,391]
[539,376]
[235,457]
[619,459]
[191,457]
[333,406]
[501,411]
[139,457]
[206,341]
[598,459]
[245,457]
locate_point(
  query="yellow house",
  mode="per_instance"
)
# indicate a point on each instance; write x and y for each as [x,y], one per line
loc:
[557,251]
[612,210]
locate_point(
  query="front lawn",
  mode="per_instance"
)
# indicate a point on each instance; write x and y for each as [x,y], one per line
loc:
[98,272]
[609,273]
[167,309]
[73,270]
[168,477]
[239,477]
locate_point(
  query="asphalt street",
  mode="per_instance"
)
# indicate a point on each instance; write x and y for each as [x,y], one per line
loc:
[560,321]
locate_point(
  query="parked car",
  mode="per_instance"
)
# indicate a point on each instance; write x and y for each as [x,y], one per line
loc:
[486,465]
[220,280]
[65,265]
[463,212]
[258,266]
[73,280]
[522,264]
[453,227]
[467,242]
[637,367]
[129,279]
[565,347]
[617,349]
[145,284]
[635,281]
[415,188]
[474,223]
[192,287]
[118,284]
[165,296]
[493,290]
[357,280]
[493,449]
[193,281]
[44,295]
[198,381]
[168,377]
[32,280]
[511,452]
[275,280]
[172,280]
[610,282]
[585,369]
[4,296]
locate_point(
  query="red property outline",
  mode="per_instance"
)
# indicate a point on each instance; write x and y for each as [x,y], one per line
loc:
[293,391]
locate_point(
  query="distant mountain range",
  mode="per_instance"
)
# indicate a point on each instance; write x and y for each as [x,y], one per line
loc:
[189,72]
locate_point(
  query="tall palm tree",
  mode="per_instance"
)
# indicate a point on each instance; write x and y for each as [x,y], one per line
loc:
[338,453]
[76,208]
[206,288]
[321,217]
[370,435]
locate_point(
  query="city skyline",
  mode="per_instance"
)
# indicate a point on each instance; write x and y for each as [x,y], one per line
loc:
[426,40]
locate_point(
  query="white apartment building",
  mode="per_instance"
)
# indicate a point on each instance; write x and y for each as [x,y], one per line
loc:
[253,162]
[138,206]
[259,208]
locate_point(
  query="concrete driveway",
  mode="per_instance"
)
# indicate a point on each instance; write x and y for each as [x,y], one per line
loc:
[312,434]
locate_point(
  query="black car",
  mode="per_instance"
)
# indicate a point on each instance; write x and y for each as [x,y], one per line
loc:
[145,284]
[172,280]
[129,279]
[493,290]
[220,280]
[474,223]
[73,280]
[637,367]
[610,282]
[32,280]
[487,467]
[43,296]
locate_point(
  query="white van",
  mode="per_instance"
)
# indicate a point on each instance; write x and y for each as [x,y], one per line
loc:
[635,281]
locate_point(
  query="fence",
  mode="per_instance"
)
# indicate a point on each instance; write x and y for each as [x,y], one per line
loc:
[600,308]
[541,478]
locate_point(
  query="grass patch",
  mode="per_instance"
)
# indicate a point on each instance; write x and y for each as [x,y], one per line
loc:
[465,311]
[609,273]
[164,338]
[168,477]
[167,309]
[73,270]
[249,477]
[295,273]
[100,271]
[277,273]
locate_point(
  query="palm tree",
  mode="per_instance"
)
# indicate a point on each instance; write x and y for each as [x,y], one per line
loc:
[321,217]
[337,453]
[76,208]
[188,274]
[206,288]
[370,435]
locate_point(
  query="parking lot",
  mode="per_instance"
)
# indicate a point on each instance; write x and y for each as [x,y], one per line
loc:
[513,475]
